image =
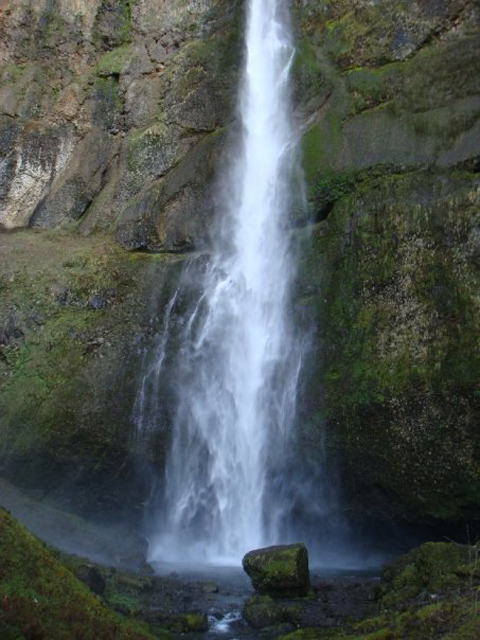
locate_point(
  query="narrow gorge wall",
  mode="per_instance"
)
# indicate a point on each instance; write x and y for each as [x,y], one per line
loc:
[113,120]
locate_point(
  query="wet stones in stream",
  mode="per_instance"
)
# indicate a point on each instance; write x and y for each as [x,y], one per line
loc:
[329,603]
[205,608]
[287,598]
[166,602]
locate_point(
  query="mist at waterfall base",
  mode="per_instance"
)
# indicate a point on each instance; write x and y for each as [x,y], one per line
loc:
[230,356]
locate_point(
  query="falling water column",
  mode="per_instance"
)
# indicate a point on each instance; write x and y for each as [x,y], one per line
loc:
[239,360]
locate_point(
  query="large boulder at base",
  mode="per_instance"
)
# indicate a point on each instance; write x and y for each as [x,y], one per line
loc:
[281,570]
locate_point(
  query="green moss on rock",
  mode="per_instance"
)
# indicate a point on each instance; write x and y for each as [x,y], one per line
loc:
[69,366]
[391,275]
[108,103]
[115,62]
[434,567]
[322,144]
[113,23]
[280,570]
[428,594]
[262,612]
[309,75]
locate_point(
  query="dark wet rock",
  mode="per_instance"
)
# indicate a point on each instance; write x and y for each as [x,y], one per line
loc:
[390,161]
[329,602]
[279,570]
[264,611]
[210,587]
[92,577]
[192,622]
[176,213]
[14,328]
[112,22]
[97,302]
[137,229]
[11,331]
[60,294]
[73,191]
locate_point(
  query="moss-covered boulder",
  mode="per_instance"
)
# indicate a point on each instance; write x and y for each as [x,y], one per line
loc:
[431,593]
[434,568]
[281,570]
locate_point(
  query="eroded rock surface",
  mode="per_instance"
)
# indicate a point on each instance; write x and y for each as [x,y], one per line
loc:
[100,101]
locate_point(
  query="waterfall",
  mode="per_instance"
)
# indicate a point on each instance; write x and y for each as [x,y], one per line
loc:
[145,409]
[240,359]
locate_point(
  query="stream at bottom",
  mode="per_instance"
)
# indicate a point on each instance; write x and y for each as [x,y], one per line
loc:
[217,591]
[221,592]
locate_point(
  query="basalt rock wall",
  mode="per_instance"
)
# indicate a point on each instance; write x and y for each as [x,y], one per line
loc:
[111,116]
[389,272]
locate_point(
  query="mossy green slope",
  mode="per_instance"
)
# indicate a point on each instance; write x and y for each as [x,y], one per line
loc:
[432,593]
[40,598]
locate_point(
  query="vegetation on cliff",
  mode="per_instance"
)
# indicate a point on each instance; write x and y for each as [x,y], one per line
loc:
[432,593]
[388,274]
[72,321]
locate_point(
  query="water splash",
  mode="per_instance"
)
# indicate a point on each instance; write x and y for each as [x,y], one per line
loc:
[240,360]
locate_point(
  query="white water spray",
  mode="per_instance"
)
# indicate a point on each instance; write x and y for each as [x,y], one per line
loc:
[145,409]
[239,360]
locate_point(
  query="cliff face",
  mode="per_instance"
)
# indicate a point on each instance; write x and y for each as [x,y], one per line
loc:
[101,103]
[113,118]
[392,160]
